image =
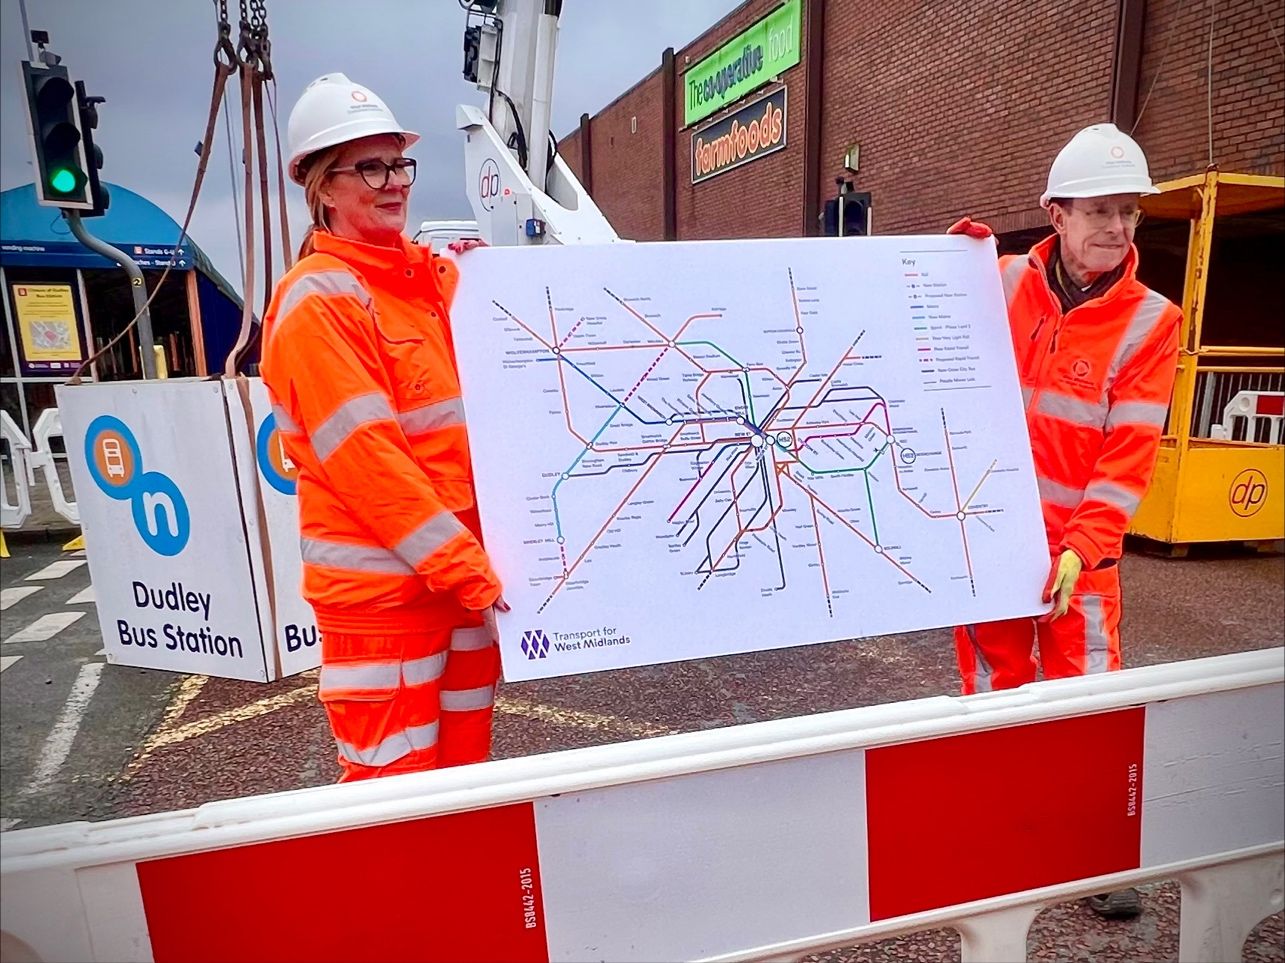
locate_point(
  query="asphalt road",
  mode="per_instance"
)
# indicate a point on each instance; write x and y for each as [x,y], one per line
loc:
[147,742]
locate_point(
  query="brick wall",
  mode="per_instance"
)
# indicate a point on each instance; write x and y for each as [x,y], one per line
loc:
[1248,87]
[959,107]
[626,138]
[763,198]
[569,148]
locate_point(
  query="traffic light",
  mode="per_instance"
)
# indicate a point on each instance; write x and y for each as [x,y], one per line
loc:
[87,109]
[57,142]
[856,215]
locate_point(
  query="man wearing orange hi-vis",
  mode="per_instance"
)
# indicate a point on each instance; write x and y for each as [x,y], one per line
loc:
[359,362]
[1096,355]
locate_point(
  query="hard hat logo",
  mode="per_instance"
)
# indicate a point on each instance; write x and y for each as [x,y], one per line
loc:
[1097,162]
[333,110]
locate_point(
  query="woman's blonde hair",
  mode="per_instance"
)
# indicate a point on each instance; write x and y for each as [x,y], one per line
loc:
[317,170]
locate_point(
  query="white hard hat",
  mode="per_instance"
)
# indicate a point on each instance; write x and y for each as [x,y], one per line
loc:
[333,110]
[1098,161]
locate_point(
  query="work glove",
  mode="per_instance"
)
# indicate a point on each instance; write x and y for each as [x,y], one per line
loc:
[974,229]
[1061,583]
[465,244]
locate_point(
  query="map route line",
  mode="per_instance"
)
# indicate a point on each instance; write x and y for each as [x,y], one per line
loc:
[827,379]
[798,321]
[605,525]
[655,330]
[825,575]
[735,540]
[963,528]
[969,500]
[860,534]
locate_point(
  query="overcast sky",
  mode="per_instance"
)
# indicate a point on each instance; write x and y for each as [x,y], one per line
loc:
[151,59]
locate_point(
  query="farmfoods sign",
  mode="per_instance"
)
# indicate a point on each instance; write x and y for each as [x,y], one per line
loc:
[756,129]
[744,63]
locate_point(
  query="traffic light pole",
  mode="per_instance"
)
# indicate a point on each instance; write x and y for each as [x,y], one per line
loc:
[136,287]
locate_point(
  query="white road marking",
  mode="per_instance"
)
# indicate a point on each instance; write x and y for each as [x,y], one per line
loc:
[7,824]
[45,627]
[83,597]
[56,569]
[59,741]
[12,596]
[8,660]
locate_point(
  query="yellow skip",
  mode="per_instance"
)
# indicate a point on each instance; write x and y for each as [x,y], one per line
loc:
[4,549]
[77,544]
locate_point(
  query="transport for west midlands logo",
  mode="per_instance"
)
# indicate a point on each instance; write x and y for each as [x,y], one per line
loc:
[535,644]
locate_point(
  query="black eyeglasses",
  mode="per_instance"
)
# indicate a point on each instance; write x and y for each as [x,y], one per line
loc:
[376,173]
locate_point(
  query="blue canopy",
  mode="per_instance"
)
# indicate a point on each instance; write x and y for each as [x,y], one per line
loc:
[36,236]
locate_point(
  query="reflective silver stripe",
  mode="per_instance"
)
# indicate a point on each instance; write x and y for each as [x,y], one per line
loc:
[982,668]
[1096,643]
[428,538]
[442,414]
[467,700]
[1091,414]
[392,748]
[284,422]
[1144,319]
[425,670]
[368,675]
[1113,494]
[1026,395]
[352,557]
[322,282]
[1057,494]
[1137,413]
[471,640]
[347,418]
[1012,277]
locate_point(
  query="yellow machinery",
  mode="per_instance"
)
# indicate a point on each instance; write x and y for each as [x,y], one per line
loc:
[1220,476]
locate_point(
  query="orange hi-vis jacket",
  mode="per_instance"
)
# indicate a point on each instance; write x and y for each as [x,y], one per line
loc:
[359,361]
[1096,383]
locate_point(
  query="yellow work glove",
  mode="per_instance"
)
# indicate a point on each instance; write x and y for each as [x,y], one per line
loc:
[1062,579]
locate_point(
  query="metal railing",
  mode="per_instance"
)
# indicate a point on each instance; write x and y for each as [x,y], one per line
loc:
[766,841]
[1215,389]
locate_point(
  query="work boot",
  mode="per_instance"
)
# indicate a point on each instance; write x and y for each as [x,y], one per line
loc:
[1123,904]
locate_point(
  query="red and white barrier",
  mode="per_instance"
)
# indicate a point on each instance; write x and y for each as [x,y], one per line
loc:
[765,840]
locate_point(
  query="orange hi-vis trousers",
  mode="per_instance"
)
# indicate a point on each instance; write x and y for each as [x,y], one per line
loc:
[404,703]
[1001,655]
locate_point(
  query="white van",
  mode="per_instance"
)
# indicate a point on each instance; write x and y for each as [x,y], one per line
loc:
[437,234]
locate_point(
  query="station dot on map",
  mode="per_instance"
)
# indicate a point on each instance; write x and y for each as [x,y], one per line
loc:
[960,516]
[561,540]
[879,549]
[757,441]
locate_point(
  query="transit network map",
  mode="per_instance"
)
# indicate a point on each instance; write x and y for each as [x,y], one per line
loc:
[695,449]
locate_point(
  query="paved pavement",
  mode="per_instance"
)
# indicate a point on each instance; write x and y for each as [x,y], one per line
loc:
[149,742]
[70,722]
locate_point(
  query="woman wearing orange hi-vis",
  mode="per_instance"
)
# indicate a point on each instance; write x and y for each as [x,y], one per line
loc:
[359,362]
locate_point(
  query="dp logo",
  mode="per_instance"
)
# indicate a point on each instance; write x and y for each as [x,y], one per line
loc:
[1248,492]
[116,465]
[488,184]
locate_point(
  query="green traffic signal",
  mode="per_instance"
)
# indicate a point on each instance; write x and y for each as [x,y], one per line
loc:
[63,181]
